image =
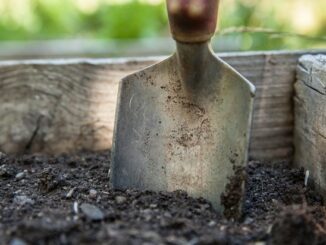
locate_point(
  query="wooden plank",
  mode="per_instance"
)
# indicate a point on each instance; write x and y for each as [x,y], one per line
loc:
[283,153]
[310,118]
[84,48]
[56,106]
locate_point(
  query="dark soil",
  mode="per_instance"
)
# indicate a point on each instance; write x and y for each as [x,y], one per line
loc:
[67,200]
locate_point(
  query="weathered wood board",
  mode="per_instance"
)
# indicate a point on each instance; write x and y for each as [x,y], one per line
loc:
[310,117]
[56,106]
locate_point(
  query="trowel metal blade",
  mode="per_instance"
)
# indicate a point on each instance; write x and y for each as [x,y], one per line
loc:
[169,136]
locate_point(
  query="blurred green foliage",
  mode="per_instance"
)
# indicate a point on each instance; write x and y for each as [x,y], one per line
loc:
[48,19]
[107,19]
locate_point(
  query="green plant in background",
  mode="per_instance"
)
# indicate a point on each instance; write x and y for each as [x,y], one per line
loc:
[264,25]
[132,20]
[249,13]
[48,19]
[256,24]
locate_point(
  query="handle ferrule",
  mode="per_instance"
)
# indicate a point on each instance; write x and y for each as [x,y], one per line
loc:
[192,21]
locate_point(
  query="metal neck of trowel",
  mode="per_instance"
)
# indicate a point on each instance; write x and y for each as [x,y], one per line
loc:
[192,24]
[193,64]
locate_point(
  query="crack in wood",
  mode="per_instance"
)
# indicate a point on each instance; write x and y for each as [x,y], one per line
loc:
[34,134]
[314,89]
[321,135]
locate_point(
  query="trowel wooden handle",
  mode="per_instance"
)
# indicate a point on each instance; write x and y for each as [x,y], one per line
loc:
[192,21]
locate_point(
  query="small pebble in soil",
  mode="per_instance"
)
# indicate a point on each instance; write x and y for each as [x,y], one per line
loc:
[20,175]
[120,199]
[92,212]
[92,193]
[153,205]
[75,207]
[212,223]
[248,221]
[23,200]
[17,241]
[70,192]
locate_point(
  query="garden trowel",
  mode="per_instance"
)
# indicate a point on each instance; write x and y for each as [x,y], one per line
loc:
[183,124]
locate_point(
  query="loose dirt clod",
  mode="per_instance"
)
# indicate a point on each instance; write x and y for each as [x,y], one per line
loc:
[232,197]
[137,217]
[295,226]
[50,180]
[300,225]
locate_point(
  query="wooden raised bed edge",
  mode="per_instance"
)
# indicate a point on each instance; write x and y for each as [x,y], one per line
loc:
[310,118]
[55,106]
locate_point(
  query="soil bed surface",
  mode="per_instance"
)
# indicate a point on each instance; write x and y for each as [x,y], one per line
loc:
[67,200]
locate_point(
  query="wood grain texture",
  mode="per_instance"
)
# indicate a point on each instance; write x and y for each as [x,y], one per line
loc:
[68,105]
[310,117]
